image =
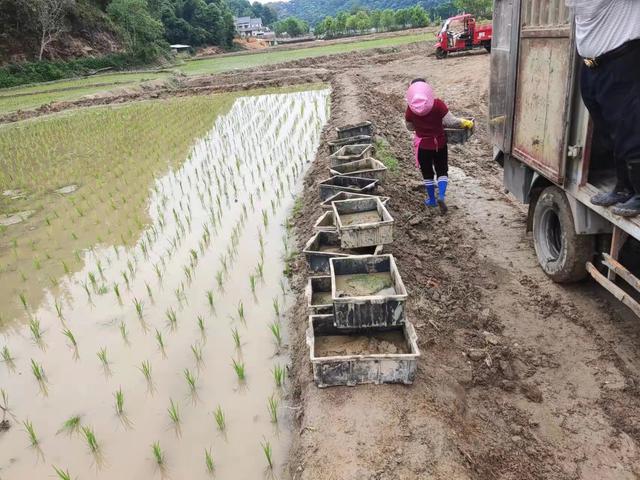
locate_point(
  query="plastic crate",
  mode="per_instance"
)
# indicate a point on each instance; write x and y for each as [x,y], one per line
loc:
[345,183]
[357,129]
[328,203]
[316,287]
[351,370]
[370,309]
[325,223]
[335,145]
[459,135]
[351,153]
[364,168]
[325,245]
[364,231]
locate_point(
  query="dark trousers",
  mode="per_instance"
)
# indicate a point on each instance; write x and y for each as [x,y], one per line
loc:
[611,93]
[434,161]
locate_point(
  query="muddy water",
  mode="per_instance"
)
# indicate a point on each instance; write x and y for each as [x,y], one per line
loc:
[207,220]
[379,343]
[360,218]
[364,284]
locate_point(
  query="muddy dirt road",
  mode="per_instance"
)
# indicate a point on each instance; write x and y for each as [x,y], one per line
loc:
[520,378]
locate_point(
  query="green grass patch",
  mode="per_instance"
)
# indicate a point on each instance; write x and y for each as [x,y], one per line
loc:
[231,62]
[383,153]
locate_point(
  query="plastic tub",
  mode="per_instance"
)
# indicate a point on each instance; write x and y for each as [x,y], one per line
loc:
[348,131]
[335,145]
[351,153]
[344,183]
[367,291]
[362,222]
[328,203]
[384,365]
[459,135]
[325,223]
[365,168]
[326,245]
[319,295]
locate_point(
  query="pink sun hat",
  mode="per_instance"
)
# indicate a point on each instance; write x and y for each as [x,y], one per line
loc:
[420,98]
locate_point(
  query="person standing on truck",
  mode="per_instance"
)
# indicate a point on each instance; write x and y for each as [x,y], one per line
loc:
[427,116]
[608,40]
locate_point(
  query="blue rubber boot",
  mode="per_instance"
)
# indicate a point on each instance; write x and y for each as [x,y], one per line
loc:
[442,192]
[430,187]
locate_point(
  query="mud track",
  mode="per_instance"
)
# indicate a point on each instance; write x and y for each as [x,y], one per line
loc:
[520,378]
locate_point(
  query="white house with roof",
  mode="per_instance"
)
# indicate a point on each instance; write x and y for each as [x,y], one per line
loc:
[248,27]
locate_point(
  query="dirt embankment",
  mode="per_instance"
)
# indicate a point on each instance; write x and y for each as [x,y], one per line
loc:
[520,378]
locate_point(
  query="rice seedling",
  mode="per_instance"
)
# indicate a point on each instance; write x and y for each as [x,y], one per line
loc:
[36,332]
[238,367]
[265,218]
[208,461]
[38,372]
[272,407]
[210,298]
[276,306]
[123,332]
[92,279]
[218,414]
[160,341]
[174,413]
[268,452]
[283,287]
[278,375]
[7,358]
[71,425]
[276,330]
[5,401]
[252,283]
[158,454]
[149,292]
[172,318]
[191,380]
[220,279]
[201,325]
[65,267]
[197,353]
[119,402]
[72,339]
[145,368]
[260,269]
[139,307]
[102,356]
[62,474]
[31,433]
[236,337]
[58,309]
[125,277]
[240,310]
[87,291]
[90,437]
[23,300]
[116,290]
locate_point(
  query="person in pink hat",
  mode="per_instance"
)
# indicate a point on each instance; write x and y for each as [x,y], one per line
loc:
[427,117]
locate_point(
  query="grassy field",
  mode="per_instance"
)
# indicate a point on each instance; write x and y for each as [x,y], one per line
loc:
[223,64]
[33,96]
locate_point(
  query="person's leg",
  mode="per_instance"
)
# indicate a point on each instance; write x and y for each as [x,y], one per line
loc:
[441,164]
[425,159]
[590,85]
[622,109]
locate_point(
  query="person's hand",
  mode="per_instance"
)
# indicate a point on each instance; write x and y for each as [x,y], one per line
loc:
[468,124]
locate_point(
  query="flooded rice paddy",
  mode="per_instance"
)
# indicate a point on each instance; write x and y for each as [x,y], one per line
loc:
[141,306]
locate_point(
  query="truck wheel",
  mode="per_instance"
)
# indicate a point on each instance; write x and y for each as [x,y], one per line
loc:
[440,53]
[562,253]
[487,47]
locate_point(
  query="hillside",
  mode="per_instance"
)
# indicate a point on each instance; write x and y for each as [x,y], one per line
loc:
[315,10]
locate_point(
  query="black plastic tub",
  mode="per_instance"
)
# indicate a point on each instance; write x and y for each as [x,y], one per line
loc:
[357,129]
[337,184]
[335,145]
[326,245]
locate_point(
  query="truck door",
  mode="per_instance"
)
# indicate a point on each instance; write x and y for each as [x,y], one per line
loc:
[543,87]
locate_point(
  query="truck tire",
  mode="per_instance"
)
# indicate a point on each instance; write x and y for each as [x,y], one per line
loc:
[487,46]
[562,253]
[440,53]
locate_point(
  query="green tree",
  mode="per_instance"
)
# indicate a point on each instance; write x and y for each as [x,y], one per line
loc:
[387,19]
[292,26]
[479,8]
[143,34]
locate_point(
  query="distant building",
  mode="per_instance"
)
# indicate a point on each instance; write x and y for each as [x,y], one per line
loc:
[248,27]
[177,48]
